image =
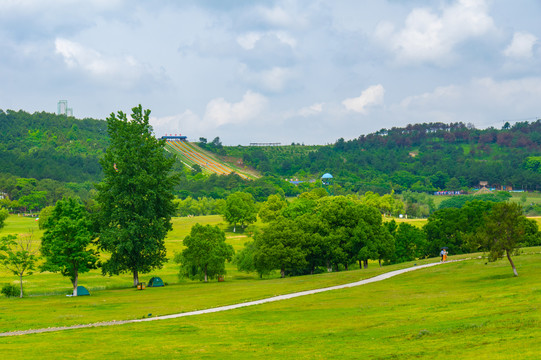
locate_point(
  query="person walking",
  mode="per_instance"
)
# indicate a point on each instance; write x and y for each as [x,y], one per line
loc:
[444,257]
[441,255]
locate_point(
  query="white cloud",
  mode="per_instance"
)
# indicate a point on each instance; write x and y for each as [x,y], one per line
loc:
[482,101]
[369,97]
[220,112]
[427,36]
[249,40]
[521,46]
[274,79]
[186,123]
[313,109]
[125,69]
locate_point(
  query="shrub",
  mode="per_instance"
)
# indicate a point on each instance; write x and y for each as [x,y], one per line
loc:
[10,290]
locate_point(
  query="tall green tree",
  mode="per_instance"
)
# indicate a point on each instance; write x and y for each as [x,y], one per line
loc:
[240,208]
[135,196]
[504,228]
[280,246]
[18,255]
[205,254]
[3,216]
[66,241]
[272,208]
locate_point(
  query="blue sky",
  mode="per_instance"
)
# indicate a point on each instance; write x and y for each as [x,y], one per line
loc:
[275,71]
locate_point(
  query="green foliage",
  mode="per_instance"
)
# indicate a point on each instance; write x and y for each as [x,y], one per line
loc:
[279,246]
[240,208]
[10,290]
[205,254]
[3,216]
[459,200]
[17,255]
[200,206]
[49,146]
[272,208]
[135,196]
[44,215]
[452,226]
[65,243]
[410,243]
[503,230]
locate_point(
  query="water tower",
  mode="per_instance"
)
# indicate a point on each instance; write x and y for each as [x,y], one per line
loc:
[328,183]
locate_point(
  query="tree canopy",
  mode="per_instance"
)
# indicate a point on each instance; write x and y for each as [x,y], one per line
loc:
[205,254]
[135,196]
[65,243]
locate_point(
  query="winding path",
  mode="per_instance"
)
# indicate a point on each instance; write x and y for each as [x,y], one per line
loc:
[228,307]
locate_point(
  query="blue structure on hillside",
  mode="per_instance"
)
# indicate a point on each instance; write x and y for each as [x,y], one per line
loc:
[174,137]
[328,183]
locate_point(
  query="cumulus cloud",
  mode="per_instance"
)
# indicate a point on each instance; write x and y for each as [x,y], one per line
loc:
[432,37]
[249,40]
[221,112]
[369,97]
[521,46]
[274,79]
[313,109]
[184,123]
[125,69]
[482,101]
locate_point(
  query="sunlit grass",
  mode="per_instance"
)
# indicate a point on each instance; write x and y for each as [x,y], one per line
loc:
[464,310]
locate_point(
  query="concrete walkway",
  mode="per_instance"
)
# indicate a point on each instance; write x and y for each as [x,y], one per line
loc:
[228,307]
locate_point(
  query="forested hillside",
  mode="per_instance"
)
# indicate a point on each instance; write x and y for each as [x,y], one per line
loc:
[49,146]
[421,157]
[44,157]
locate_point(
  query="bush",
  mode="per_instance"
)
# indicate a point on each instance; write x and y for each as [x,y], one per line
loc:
[10,290]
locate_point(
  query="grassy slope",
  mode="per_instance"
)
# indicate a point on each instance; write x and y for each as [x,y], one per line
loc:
[465,310]
[461,310]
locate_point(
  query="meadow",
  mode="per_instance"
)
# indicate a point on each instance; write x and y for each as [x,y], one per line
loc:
[469,309]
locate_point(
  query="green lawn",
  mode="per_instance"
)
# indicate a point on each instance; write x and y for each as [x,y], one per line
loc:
[465,310]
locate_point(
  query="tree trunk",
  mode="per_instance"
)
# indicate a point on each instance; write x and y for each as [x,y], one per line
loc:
[346,266]
[329,267]
[74,282]
[360,264]
[379,260]
[21,282]
[512,263]
[205,271]
[283,272]
[234,228]
[135,278]
[365,263]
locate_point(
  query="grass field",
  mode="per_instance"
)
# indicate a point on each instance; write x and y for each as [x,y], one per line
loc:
[465,310]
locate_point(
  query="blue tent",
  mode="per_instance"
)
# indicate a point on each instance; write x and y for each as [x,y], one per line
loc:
[82,291]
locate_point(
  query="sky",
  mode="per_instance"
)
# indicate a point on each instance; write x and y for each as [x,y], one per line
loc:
[286,71]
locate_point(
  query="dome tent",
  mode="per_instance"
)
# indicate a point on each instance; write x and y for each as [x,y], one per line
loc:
[155,282]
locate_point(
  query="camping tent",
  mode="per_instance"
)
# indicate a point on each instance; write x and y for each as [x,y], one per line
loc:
[82,291]
[155,282]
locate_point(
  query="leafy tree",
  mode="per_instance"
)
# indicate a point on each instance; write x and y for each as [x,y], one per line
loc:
[18,256]
[410,243]
[504,228]
[3,216]
[205,253]
[240,208]
[272,208]
[44,215]
[65,243]
[135,196]
[245,258]
[280,246]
